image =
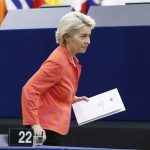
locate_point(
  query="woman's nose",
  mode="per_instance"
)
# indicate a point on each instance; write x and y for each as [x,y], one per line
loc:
[87,41]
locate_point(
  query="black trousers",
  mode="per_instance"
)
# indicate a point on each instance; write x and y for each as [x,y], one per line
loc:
[54,139]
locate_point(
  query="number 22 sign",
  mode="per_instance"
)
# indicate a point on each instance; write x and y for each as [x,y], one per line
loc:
[20,137]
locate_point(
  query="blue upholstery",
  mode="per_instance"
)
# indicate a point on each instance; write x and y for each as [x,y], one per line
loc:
[118,57]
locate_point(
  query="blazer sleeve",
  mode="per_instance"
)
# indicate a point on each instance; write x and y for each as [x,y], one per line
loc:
[47,76]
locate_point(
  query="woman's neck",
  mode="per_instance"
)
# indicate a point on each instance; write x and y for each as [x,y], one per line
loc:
[72,54]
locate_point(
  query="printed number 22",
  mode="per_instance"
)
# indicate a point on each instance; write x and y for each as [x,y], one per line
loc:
[23,135]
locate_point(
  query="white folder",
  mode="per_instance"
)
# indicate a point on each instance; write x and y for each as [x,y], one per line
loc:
[99,106]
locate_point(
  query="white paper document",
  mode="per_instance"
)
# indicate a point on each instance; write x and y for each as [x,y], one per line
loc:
[99,106]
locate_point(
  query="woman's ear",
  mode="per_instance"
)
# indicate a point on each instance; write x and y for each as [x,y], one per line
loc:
[66,38]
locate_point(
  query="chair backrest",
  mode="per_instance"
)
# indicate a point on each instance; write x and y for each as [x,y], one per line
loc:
[128,15]
[34,18]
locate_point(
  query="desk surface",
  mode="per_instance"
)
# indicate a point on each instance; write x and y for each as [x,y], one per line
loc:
[4,145]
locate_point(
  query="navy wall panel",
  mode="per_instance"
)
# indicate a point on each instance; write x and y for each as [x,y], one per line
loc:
[21,54]
[118,57]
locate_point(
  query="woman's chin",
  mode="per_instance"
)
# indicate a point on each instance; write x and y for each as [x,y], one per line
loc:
[83,51]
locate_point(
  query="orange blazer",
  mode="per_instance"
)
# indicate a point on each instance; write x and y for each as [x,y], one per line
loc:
[48,95]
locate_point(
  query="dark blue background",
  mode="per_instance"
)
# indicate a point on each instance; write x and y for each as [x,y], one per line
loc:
[118,57]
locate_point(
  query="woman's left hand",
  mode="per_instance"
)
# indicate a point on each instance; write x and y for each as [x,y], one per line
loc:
[81,98]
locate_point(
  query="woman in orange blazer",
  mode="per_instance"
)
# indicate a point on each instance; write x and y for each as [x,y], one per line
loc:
[48,95]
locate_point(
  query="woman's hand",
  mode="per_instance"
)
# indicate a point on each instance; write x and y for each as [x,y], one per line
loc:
[38,130]
[81,98]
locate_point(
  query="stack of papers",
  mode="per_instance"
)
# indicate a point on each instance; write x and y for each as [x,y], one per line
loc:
[99,106]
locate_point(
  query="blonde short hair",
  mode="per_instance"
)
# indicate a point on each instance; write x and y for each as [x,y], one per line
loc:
[71,22]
